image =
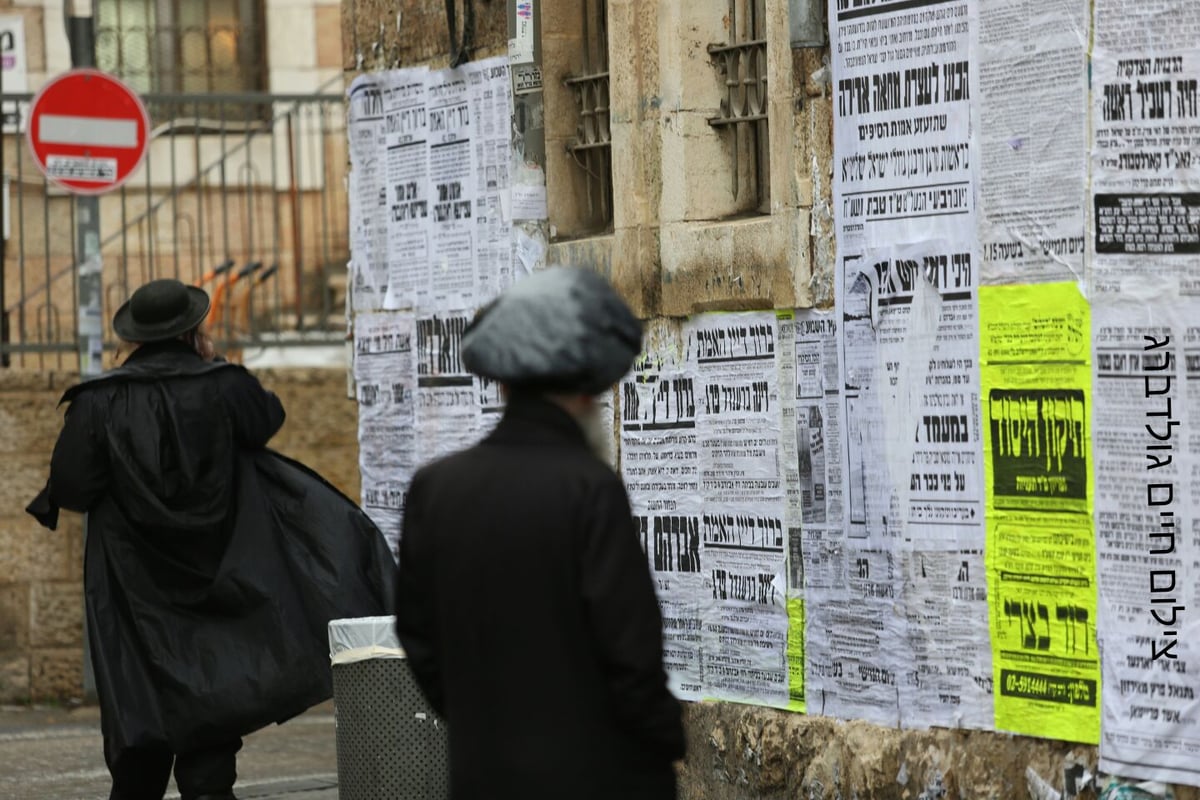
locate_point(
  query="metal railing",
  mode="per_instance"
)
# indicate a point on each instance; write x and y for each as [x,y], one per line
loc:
[243,194]
[743,64]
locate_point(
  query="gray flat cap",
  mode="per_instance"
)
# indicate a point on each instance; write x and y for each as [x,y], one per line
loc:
[563,329]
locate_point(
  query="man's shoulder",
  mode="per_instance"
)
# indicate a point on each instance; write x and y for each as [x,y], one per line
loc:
[153,372]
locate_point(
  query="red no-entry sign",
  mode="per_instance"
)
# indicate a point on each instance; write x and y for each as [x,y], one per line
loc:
[88,131]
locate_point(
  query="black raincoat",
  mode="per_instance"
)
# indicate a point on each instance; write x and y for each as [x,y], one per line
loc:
[212,565]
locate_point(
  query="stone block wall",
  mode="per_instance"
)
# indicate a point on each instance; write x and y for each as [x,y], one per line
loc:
[41,571]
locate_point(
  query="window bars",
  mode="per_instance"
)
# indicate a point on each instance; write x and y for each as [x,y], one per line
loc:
[591,148]
[743,63]
[194,46]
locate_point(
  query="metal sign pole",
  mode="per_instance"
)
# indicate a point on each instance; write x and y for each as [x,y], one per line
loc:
[81,31]
[90,330]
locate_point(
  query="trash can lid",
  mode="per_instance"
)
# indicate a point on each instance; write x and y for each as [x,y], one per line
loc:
[362,638]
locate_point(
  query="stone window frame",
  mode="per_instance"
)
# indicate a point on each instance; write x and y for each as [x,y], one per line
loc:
[591,147]
[741,64]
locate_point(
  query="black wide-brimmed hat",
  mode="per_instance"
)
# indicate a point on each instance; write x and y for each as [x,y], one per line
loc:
[161,309]
[563,329]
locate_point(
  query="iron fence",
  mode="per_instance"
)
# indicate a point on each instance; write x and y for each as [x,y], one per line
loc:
[243,194]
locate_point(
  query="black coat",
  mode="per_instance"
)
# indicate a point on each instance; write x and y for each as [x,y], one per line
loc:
[526,608]
[212,565]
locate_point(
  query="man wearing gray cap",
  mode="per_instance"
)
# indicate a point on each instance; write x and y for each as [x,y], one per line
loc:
[524,601]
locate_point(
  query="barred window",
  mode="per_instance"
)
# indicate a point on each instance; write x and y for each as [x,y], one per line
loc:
[742,63]
[183,46]
[591,148]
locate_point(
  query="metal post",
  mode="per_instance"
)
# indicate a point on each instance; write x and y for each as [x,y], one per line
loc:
[90,326]
[5,360]
[528,172]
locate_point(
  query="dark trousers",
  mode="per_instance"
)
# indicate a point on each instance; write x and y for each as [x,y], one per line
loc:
[142,773]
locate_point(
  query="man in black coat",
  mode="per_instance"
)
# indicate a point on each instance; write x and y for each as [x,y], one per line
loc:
[524,600]
[212,566]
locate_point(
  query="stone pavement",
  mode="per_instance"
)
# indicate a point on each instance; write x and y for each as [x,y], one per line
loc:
[55,754]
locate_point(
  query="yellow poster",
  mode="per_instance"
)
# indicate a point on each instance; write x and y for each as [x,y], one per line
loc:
[1035,364]
[795,654]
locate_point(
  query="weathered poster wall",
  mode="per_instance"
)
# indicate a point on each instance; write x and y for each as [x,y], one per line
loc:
[900,576]
[1145,288]
[963,497]
[431,243]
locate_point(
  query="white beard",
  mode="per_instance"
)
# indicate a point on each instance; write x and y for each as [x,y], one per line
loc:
[595,431]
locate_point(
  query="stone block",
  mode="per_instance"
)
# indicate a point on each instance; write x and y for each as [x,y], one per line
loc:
[292,42]
[29,422]
[56,614]
[636,269]
[697,169]
[14,678]
[15,543]
[329,36]
[29,552]
[34,18]
[594,253]
[688,78]
[562,57]
[56,674]
[566,191]
[735,265]
[562,18]
[14,616]
[819,111]
[800,257]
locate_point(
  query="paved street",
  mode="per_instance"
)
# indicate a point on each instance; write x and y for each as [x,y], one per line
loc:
[55,754]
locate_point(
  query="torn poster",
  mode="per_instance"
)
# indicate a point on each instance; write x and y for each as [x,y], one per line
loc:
[385,380]
[368,194]
[659,462]
[1033,125]
[406,128]
[738,426]
[906,179]
[452,190]
[793,510]
[491,111]
[660,466]
[448,415]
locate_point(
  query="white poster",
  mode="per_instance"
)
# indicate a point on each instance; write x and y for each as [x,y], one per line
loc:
[448,415]
[406,127]
[888,635]
[660,466]
[1147,397]
[368,194]
[738,426]
[13,61]
[491,108]
[385,380]
[452,190]
[1146,142]
[1145,239]
[1032,111]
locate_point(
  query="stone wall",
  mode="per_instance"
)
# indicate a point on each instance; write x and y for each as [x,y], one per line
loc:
[41,571]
